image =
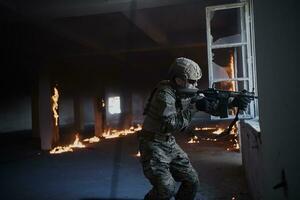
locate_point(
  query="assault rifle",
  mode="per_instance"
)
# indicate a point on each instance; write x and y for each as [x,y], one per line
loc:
[222,96]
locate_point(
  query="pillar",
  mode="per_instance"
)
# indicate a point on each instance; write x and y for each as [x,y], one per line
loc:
[48,130]
[99,116]
[78,114]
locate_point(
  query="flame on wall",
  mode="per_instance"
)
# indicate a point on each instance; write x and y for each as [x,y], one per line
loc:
[55,98]
[232,73]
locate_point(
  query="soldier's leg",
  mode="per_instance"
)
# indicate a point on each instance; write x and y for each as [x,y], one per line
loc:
[183,171]
[161,179]
[155,161]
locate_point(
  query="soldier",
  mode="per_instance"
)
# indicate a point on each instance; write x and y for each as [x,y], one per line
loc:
[163,161]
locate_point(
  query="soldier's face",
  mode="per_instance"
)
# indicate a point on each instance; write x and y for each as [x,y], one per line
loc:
[191,84]
[188,84]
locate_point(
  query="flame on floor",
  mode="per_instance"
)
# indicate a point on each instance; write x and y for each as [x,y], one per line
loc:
[107,135]
[193,140]
[115,133]
[92,139]
[69,148]
[218,131]
[205,128]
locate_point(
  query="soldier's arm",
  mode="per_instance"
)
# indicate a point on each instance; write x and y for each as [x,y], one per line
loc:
[209,105]
[172,119]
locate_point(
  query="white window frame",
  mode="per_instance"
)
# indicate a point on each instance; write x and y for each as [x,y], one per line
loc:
[246,45]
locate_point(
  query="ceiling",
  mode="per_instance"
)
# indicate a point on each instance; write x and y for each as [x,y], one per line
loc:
[118,38]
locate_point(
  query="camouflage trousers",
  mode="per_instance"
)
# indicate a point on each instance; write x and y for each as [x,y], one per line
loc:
[165,163]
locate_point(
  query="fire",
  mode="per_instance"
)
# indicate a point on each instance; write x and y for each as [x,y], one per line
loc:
[236,145]
[62,149]
[77,143]
[218,131]
[55,98]
[193,140]
[232,73]
[107,135]
[92,139]
[138,154]
[204,128]
[209,139]
[115,133]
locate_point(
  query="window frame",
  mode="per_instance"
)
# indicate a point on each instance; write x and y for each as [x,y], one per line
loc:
[248,51]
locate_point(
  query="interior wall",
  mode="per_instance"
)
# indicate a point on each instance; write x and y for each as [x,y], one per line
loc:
[277,34]
[15,114]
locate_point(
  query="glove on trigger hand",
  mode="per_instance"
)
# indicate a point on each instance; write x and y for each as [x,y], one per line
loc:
[241,102]
[204,104]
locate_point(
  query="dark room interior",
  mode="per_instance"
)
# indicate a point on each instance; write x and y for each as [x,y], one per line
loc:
[76,76]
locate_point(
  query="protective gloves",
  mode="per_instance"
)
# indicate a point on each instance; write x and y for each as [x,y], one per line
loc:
[241,102]
[206,104]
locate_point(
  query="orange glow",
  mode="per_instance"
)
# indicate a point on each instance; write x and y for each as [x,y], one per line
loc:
[55,98]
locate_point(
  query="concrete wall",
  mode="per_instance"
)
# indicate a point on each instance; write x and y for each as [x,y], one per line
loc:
[277,35]
[15,114]
[252,157]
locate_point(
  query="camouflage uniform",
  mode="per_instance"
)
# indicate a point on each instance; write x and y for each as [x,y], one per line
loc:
[163,161]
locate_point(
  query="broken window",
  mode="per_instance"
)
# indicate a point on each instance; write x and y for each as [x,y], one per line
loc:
[114,105]
[230,50]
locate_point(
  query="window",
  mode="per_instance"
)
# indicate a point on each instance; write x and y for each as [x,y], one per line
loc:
[230,51]
[114,105]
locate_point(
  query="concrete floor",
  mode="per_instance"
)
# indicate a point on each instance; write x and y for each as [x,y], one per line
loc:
[108,170]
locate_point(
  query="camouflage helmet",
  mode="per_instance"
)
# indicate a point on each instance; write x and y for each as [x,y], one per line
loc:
[185,68]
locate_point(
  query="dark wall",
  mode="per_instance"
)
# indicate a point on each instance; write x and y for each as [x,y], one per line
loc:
[277,56]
